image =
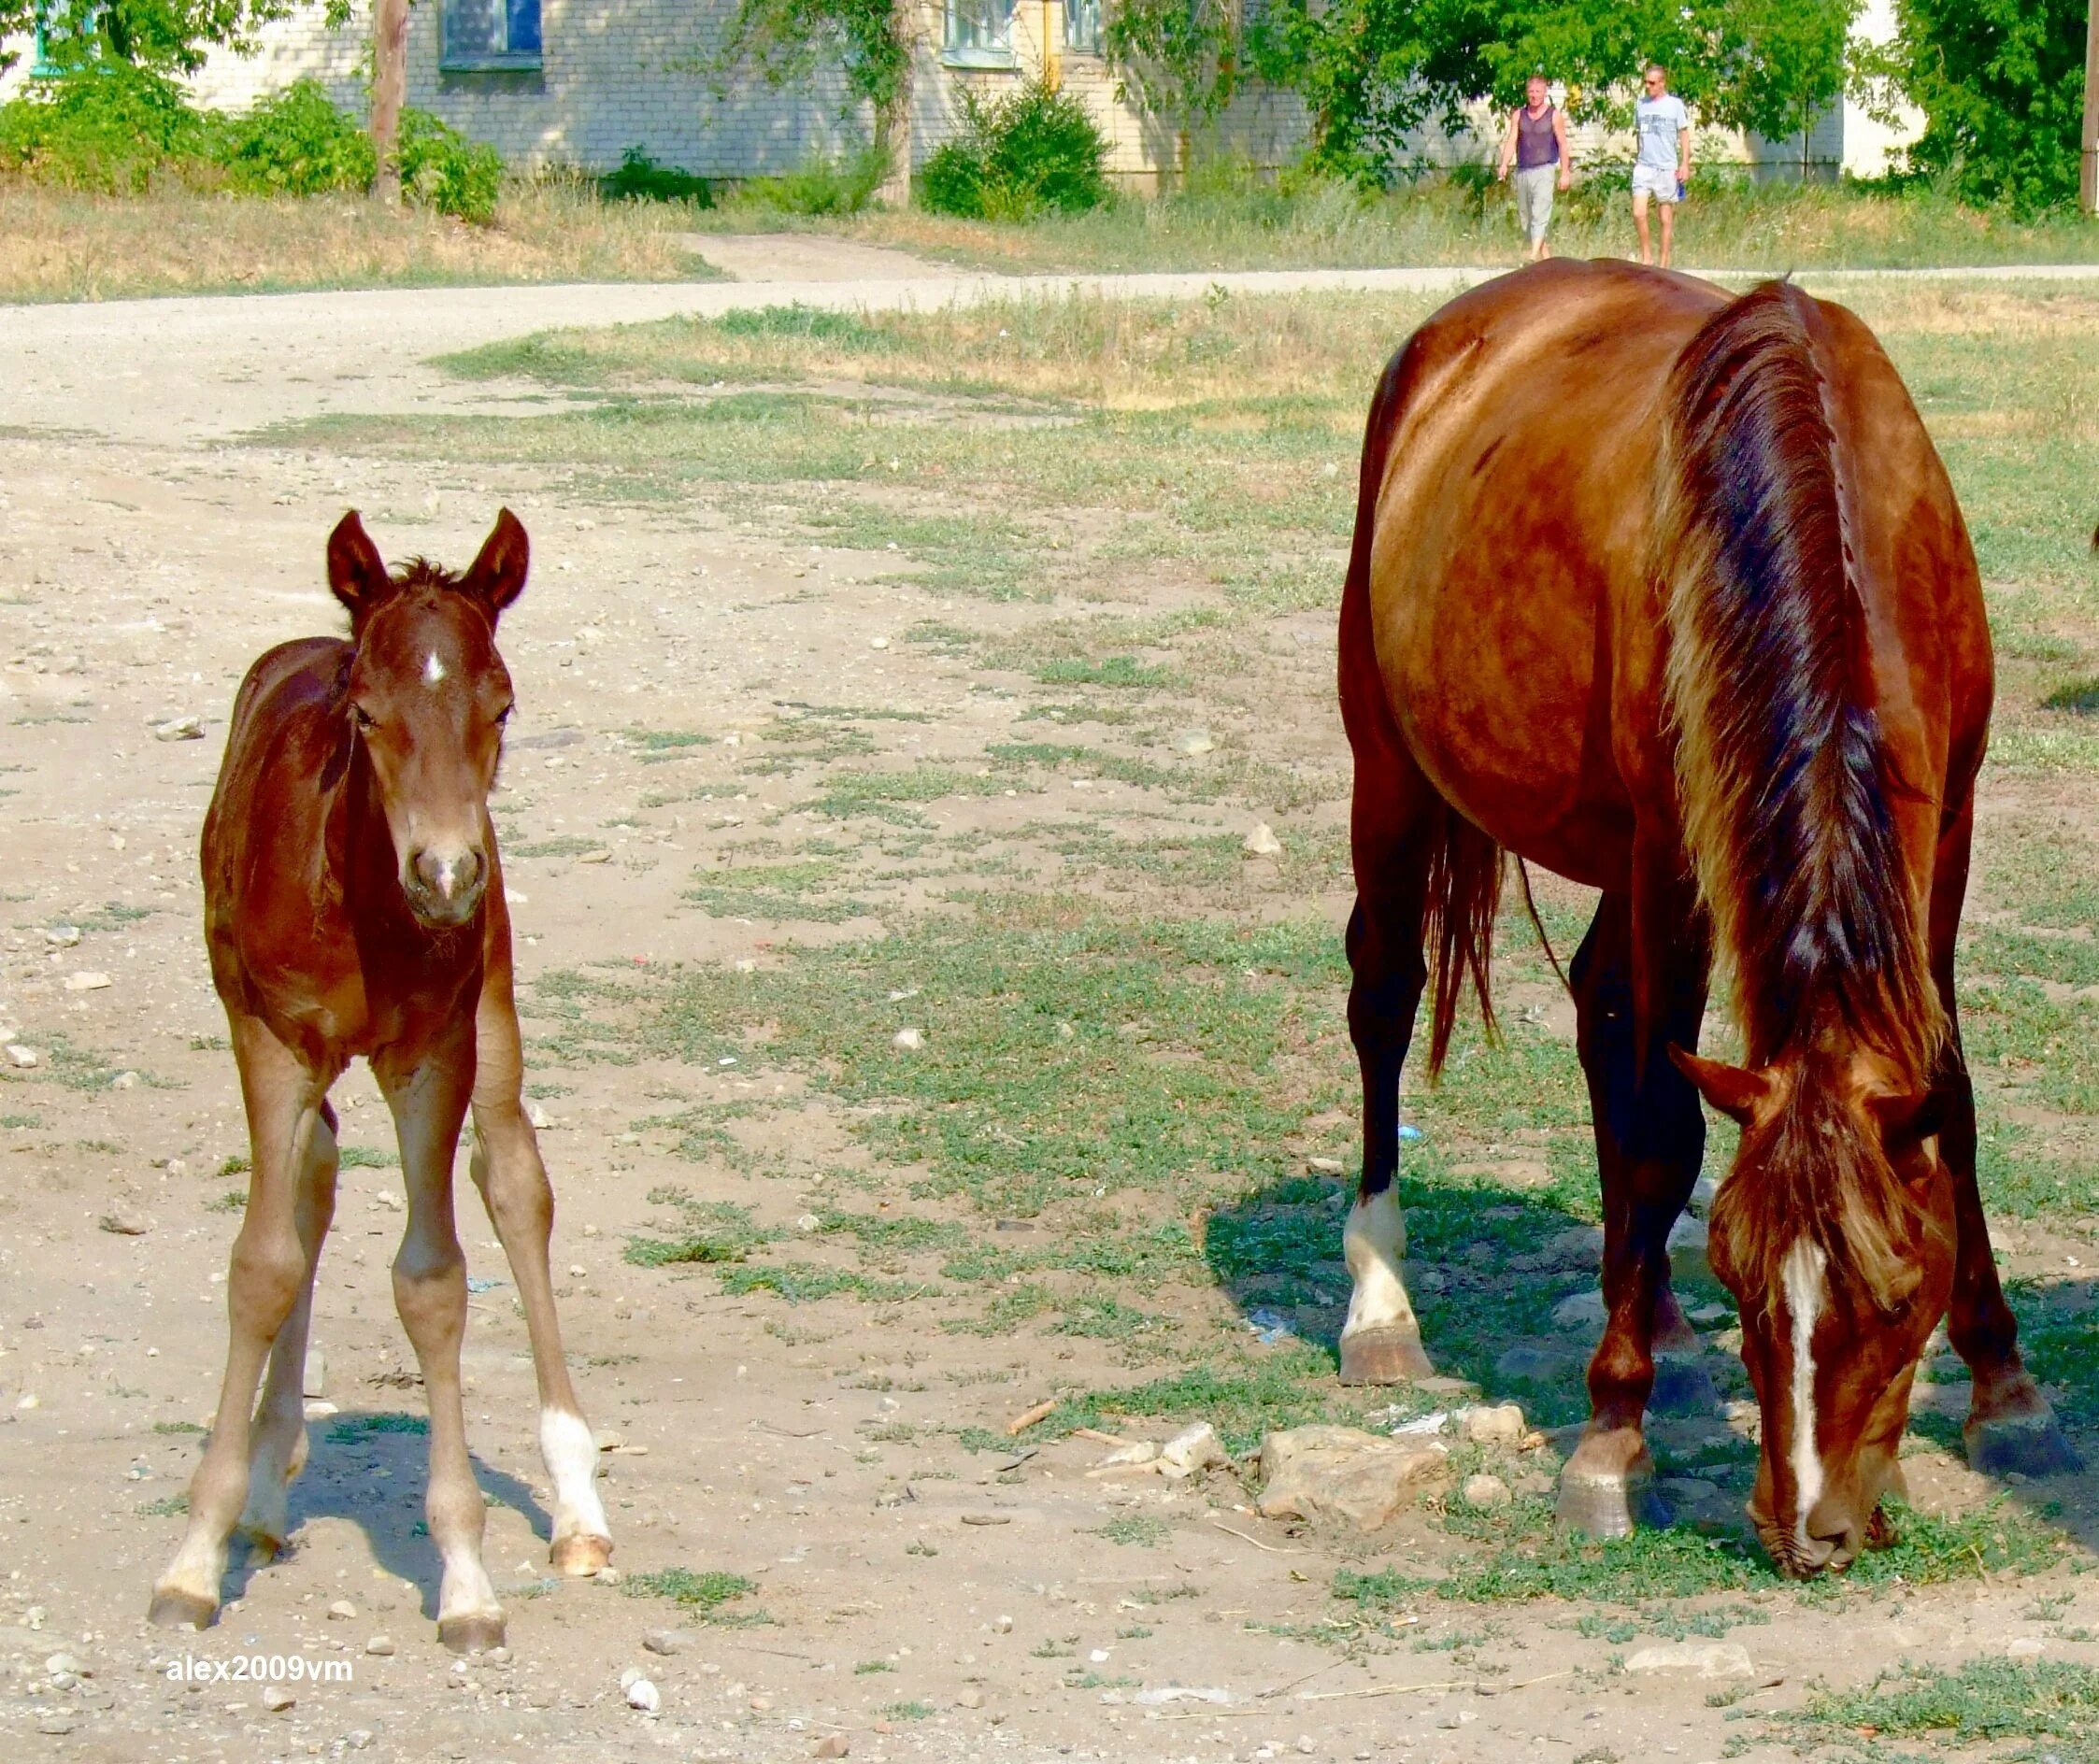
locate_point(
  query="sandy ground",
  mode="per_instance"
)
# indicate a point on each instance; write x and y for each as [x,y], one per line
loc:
[143,562]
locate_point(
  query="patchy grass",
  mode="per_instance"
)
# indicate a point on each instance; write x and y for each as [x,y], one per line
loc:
[1988,1698]
[705,1592]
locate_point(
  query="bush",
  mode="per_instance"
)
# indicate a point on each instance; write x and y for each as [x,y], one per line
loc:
[106,126]
[298,144]
[1037,149]
[640,178]
[441,169]
[823,186]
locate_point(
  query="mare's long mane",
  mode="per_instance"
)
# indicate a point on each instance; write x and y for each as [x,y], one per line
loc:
[1783,775]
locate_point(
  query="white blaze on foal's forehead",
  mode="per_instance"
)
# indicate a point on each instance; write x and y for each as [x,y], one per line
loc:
[432,669]
[1803,1273]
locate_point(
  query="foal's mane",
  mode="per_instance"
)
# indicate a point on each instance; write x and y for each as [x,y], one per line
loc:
[1784,779]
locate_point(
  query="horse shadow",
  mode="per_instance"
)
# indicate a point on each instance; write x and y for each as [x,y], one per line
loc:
[371,1466]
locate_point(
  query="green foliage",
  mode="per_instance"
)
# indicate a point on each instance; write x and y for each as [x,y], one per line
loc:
[166,36]
[641,179]
[298,144]
[2002,85]
[786,40]
[107,127]
[823,186]
[1988,1698]
[1785,63]
[704,1592]
[1037,150]
[441,169]
[1178,60]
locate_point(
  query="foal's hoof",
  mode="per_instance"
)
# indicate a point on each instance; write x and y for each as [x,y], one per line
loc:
[476,1632]
[1608,1489]
[2023,1441]
[579,1554]
[1388,1354]
[172,1609]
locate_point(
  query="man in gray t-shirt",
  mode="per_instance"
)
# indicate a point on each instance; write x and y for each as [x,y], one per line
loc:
[1662,167]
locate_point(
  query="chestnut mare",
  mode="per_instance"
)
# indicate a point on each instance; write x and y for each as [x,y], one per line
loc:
[1668,590]
[353,904]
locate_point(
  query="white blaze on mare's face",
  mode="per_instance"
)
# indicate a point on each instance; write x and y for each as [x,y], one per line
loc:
[433,670]
[1801,1271]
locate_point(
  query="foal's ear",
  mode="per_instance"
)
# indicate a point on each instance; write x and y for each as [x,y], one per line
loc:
[498,575]
[1735,1092]
[356,571]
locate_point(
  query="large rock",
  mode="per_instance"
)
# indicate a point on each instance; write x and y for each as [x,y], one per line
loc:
[1702,1659]
[1344,1473]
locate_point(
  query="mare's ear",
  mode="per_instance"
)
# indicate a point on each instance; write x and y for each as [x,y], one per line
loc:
[1907,1118]
[498,575]
[356,571]
[1735,1092]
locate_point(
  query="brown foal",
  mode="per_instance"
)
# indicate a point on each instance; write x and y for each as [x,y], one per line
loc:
[1668,590]
[354,906]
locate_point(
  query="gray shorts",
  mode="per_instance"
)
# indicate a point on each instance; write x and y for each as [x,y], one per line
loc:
[1653,180]
[1533,199]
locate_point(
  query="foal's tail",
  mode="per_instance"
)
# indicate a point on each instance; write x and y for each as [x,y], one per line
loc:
[1464,866]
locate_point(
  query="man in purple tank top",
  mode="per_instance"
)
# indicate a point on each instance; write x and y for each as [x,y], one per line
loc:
[1536,143]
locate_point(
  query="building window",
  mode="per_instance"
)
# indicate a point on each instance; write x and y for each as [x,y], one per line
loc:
[492,32]
[978,34]
[1082,26]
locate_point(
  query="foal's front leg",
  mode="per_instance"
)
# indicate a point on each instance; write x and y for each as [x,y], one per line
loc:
[429,1102]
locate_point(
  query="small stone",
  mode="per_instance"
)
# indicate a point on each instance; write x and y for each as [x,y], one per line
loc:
[176,1169]
[1495,1424]
[969,1698]
[577,1271]
[537,1116]
[1138,1454]
[2025,1647]
[61,936]
[1326,1166]
[642,1695]
[1191,1452]
[123,1225]
[873,643]
[907,1041]
[86,980]
[179,728]
[496,1656]
[56,1722]
[276,1699]
[23,1058]
[124,1081]
[1261,842]
[1194,742]
[1706,1660]
[831,1745]
[343,1610]
[1580,1311]
[30,1400]
[65,1666]
[1002,1624]
[608,1438]
[357,1739]
[1687,1250]
[1486,1491]
[316,1383]
[1342,1472]
[662,1641]
[608,1577]
[600,855]
[382,1645]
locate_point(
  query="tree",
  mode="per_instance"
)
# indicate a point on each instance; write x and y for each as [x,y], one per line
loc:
[2001,83]
[165,36]
[871,41]
[1785,62]
[1178,60]
[389,91]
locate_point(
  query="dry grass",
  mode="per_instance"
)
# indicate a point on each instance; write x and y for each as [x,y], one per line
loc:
[63,244]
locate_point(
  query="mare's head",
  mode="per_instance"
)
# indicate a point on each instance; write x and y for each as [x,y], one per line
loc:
[427,696]
[1834,1233]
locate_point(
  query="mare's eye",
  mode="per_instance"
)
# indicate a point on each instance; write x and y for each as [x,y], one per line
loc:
[503,716]
[361,716]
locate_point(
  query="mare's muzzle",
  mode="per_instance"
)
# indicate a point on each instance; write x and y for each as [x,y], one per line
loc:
[445,886]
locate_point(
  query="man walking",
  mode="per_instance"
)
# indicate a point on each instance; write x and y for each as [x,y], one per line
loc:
[1662,167]
[1536,142]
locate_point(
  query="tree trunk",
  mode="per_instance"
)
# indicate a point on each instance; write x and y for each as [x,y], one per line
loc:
[389,86]
[892,121]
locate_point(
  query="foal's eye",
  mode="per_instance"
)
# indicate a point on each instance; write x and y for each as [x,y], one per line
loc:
[361,716]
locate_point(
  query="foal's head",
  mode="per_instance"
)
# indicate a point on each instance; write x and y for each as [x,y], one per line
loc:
[427,696]
[1835,1231]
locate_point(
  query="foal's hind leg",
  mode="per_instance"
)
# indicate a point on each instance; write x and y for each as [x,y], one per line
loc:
[521,1203]
[1394,825]
[270,1268]
[1651,1139]
[429,1102]
[279,1449]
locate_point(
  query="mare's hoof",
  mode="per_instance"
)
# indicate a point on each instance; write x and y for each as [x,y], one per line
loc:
[579,1554]
[1387,1355]
[475,1633]
[2026,1441]
[176,1610]
[1608,1489]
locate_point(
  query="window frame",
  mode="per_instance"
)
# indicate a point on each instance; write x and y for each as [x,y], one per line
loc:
[491,61]
[1091,43]
[997,56]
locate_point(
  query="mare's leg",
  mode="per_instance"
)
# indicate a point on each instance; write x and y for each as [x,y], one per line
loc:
[278,1452]
[270,1268]
[521,1203]
[2010,1426]
[1651,1139]
[1396,820]
[429,1102]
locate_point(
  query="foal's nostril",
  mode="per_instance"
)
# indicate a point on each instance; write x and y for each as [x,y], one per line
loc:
[449,877]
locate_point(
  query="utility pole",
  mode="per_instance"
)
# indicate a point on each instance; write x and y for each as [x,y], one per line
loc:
[2088,170]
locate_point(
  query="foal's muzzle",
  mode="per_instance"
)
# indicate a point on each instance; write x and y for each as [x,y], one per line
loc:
[444,888]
